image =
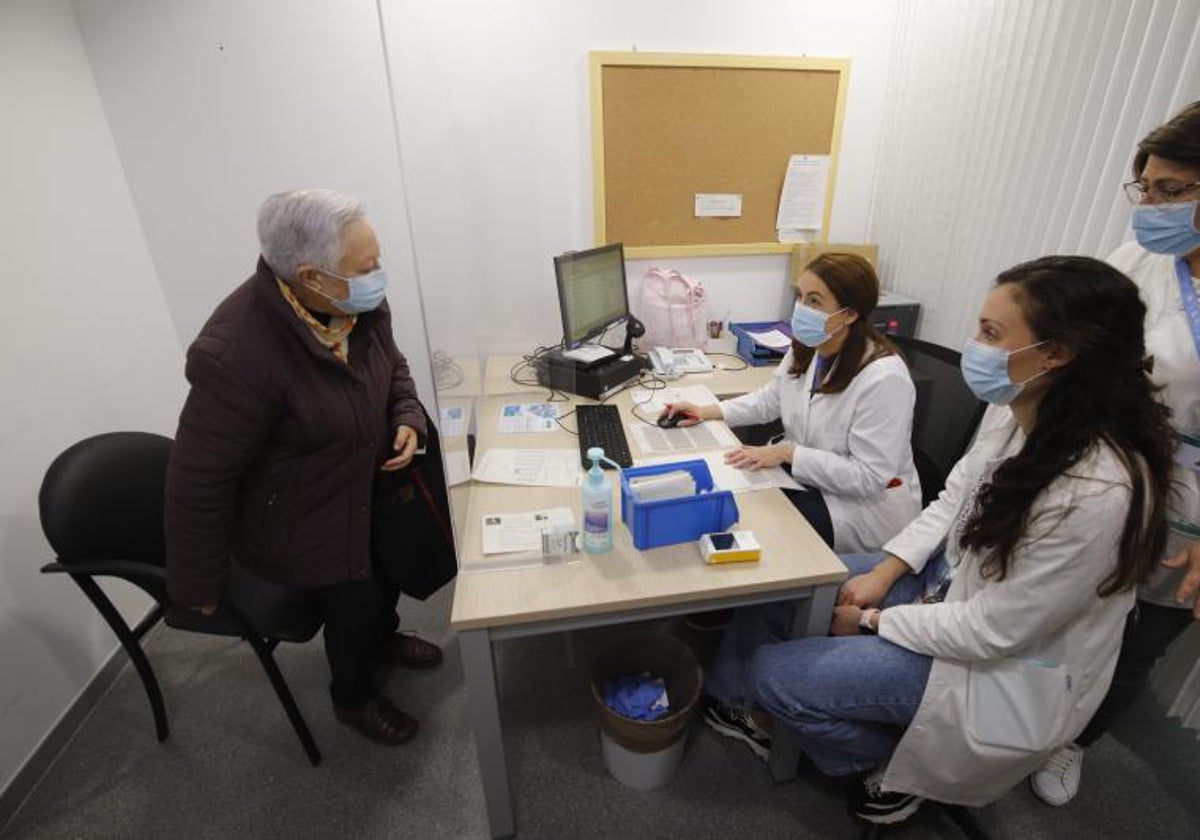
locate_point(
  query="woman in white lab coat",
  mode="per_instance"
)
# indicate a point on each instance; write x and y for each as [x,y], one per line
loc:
[1164,262]
[995,653]
[846,399]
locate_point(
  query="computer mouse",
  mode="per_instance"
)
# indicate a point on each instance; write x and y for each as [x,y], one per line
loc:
[665,422]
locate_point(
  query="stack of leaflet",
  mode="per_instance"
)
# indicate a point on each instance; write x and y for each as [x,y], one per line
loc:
[676,484]
[762,342]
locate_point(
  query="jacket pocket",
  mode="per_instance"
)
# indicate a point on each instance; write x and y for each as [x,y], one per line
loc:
[1016,703]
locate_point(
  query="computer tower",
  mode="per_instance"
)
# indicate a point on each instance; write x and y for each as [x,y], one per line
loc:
[896,315]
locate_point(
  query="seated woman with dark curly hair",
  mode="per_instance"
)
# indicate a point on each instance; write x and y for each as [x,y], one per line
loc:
[953,674]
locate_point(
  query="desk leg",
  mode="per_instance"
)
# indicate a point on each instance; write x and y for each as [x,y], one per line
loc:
[483,712]
[813,616]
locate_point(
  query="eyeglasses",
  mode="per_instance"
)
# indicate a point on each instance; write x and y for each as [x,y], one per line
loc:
[1137,192]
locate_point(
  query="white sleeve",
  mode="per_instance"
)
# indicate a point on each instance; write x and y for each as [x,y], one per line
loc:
[922,537]
[1053,574]
[879,439]
[761,406]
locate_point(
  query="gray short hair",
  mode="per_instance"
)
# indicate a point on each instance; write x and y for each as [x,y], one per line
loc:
[304,226]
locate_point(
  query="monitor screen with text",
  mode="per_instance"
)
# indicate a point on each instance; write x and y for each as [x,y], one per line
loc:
[591,291]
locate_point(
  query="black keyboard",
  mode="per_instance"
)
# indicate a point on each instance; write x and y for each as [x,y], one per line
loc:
[600,425]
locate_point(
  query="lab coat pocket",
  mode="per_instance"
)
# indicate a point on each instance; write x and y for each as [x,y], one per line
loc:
[1018,703]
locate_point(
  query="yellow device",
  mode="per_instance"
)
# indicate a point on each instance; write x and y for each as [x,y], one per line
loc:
[730,547]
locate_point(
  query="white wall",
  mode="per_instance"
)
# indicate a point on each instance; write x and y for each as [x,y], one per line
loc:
[1010,128]
[87,346]
[495,128]
[214,105]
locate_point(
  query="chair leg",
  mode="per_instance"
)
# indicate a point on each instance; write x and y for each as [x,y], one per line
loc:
[129,641]
[263,649]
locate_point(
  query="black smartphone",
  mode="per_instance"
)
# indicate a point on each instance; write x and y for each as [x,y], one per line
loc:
[722,542]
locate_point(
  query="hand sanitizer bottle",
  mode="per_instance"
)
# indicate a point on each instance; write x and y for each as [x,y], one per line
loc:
[596,494]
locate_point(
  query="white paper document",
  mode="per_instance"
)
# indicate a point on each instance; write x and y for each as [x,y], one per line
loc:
[718,205]
[454,420]
[532,467]
[730,478]
[775,339]
[650,404]
[458,467]
[802,200]
[712,434]
[528,417]
[510,532]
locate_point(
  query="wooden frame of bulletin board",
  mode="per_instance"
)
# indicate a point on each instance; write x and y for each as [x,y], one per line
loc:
[666,127]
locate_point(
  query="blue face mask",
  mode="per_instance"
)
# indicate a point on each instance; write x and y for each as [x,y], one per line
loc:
[1167,228]
[985,368]
[366,292]
[808,325]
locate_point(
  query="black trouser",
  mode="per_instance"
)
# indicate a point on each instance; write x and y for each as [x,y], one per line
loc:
[812,507]
[1149,629]
[358,615]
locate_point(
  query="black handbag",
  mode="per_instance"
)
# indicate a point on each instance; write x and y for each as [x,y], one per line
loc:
[412,544]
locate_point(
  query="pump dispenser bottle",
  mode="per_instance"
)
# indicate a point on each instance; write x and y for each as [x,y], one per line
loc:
[596,493]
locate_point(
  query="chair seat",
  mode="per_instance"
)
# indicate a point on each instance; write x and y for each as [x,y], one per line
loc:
[277,612]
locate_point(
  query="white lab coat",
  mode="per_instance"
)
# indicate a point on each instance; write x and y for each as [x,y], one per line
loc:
[1021,664]
[849,446]
[1177,368]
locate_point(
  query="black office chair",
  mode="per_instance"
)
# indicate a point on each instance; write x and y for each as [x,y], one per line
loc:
[101,505]
[947,412]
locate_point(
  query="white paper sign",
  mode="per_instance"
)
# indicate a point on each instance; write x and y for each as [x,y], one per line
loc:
[718,205]
[508,532]
[528,417]
[802,201]
[534,467]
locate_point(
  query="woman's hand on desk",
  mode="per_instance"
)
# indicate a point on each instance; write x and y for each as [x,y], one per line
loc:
[760,457]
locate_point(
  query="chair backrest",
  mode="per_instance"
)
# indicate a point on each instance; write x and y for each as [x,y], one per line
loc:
[102,499]
[947,412]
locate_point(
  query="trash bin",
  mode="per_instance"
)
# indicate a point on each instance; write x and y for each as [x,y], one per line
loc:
[645,754]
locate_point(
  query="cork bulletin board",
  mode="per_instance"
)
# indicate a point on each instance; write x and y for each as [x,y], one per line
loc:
[667,127]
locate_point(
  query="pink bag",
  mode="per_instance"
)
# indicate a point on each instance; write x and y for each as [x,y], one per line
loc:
[673,309]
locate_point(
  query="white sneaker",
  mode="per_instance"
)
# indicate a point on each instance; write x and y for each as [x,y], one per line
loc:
[1057,782]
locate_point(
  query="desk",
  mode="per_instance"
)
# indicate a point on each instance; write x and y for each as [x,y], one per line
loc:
[622,586]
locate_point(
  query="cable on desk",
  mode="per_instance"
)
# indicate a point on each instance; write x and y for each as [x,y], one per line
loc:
[527,361]
[743,362]
[446,372]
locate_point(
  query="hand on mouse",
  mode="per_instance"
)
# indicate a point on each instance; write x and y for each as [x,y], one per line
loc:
[681,414]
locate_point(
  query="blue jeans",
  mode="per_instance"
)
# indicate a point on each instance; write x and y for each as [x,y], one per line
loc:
[848,698]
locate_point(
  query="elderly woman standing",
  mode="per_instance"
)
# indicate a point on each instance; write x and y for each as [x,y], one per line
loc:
[299,397]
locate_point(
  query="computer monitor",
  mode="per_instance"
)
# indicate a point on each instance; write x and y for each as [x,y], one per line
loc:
[591,291]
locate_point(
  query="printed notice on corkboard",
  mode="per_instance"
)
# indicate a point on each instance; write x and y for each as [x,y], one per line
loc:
[675,137]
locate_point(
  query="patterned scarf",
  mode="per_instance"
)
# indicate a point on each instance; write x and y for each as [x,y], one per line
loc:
[336,336]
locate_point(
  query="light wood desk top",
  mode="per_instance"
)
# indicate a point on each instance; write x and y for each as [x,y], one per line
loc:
[623,579]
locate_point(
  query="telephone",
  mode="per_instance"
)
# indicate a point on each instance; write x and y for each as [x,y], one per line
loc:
[676,361]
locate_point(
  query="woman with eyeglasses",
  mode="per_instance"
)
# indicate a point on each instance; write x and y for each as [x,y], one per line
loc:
[1004,602]
[1164,262]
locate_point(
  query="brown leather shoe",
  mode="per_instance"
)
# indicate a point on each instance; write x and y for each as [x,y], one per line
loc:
[409,651]
[379,720]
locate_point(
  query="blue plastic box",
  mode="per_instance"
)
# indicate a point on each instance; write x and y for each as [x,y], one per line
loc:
[755,354]
[669,521]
